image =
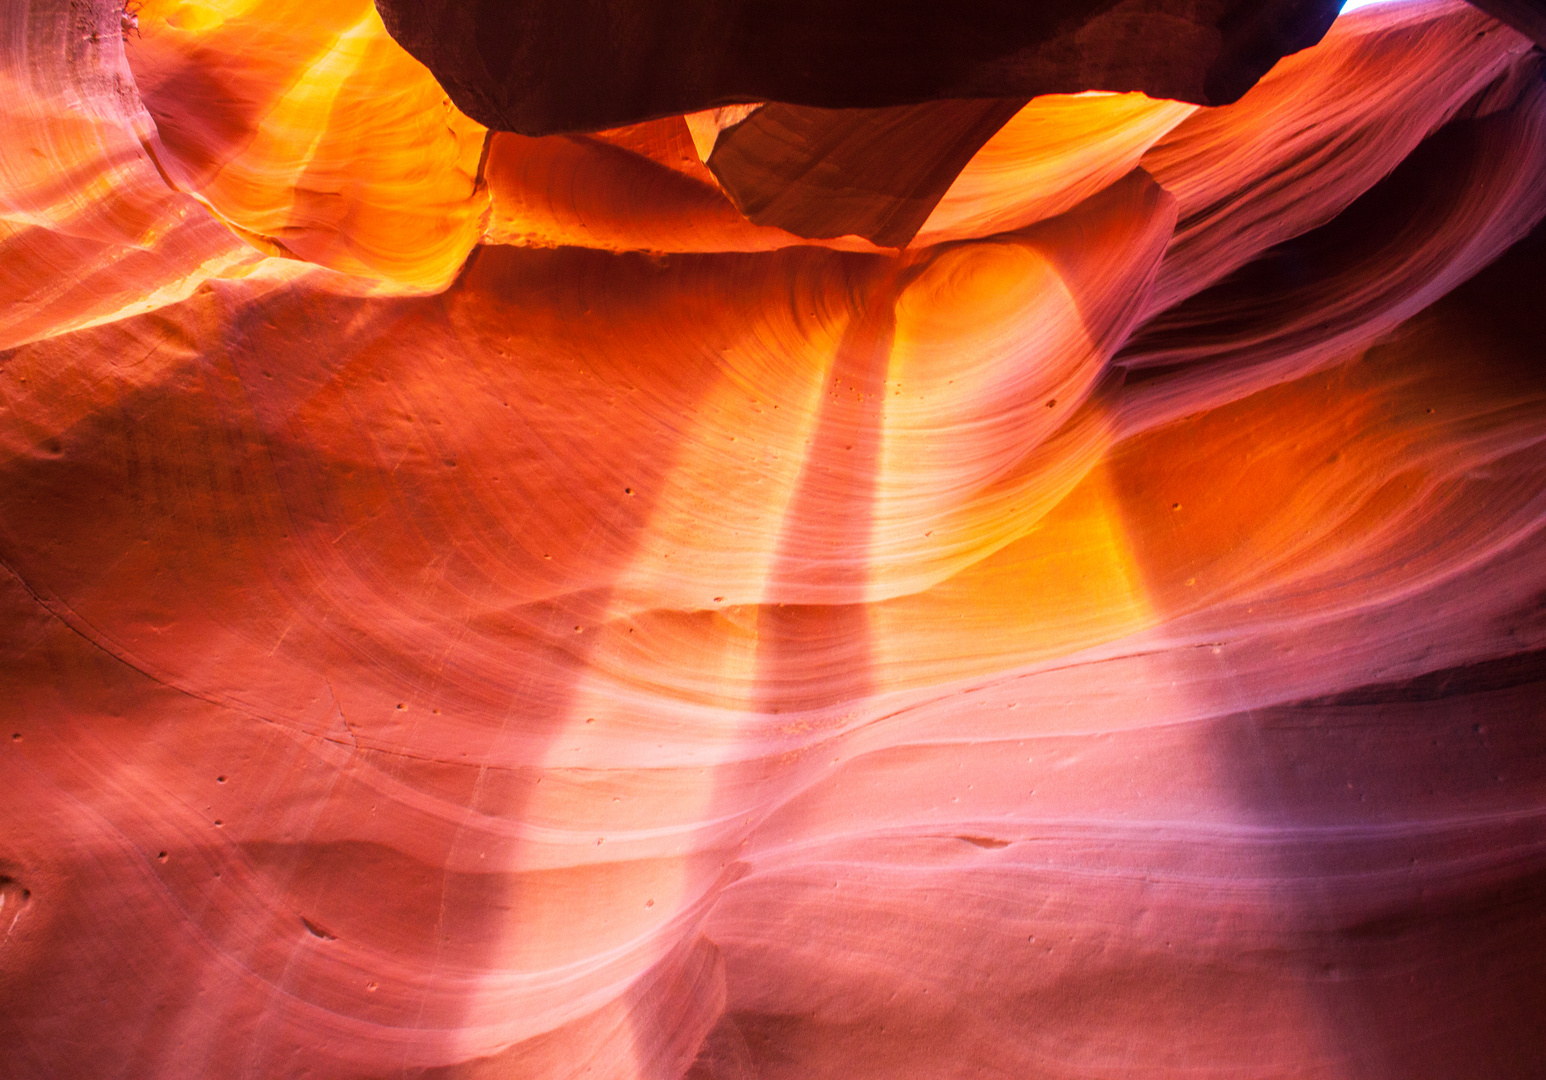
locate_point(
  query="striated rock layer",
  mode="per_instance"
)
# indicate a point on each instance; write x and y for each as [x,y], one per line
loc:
[481,604]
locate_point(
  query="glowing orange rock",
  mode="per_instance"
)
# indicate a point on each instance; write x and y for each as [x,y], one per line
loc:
[483,607]
[305,128]
[89,230]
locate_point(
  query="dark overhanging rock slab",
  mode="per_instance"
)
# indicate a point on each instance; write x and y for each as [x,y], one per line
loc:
[875,173]
[1526,16]
[541,67]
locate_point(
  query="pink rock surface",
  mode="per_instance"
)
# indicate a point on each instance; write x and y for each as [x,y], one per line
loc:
[1102,639]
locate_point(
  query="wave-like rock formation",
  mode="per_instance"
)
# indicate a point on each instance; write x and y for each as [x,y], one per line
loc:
[740,576]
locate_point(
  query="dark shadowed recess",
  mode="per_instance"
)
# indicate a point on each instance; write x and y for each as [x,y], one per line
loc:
[1526,16]
[1258,313]
[1412,916]
[540,67]
[1430,966]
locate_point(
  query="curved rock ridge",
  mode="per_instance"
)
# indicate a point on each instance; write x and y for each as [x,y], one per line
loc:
[89,229]
[312,135]
[477,605]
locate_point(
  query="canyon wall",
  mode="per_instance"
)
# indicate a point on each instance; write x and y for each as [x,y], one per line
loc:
[859,583]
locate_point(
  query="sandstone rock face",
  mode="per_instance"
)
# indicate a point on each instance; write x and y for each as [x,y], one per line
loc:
[479,604]
[863,112]
[540,66]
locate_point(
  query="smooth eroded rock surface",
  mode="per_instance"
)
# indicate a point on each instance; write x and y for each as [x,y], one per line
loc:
[479,606]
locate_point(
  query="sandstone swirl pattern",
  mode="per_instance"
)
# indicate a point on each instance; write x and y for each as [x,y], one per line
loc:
[476,605]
